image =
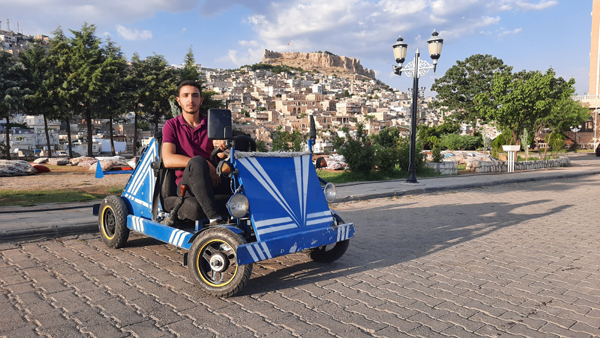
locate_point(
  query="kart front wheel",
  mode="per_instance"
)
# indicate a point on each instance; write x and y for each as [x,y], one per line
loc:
[331,252]
[112,221]
[213,263]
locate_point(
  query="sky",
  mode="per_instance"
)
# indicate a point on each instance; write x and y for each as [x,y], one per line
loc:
[525,34]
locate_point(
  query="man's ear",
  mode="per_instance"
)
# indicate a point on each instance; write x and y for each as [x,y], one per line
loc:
[201,100]
[178,102]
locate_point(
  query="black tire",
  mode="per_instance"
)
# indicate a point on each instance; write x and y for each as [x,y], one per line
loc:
[112,221]
[331,252]
[213,263]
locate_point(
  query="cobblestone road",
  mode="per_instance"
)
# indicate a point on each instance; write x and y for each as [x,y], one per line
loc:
[514,260]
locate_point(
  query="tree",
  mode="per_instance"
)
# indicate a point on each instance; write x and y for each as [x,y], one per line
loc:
[82,85]
[189,70]
[457,89]
[159,86]
[133,92]
[346,93]
[564,113]
[387,138]
[425,133]
[517,101]
[56,76]
[12,91]
[111,100]
[286,141]
[38,102]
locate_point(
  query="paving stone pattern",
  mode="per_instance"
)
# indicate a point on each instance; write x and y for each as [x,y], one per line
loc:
[518,260]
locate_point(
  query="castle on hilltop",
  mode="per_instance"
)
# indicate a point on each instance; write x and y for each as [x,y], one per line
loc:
[322,60]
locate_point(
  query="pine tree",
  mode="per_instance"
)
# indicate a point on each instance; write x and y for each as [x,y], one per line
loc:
[12,91]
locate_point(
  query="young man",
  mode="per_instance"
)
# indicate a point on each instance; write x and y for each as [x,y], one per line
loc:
[186,145]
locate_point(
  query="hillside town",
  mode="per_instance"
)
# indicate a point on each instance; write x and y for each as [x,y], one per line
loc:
[338,94]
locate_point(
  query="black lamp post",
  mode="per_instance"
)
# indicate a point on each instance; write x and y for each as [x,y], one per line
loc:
[416,69]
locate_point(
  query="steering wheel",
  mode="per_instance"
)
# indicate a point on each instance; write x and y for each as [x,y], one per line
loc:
[213,155]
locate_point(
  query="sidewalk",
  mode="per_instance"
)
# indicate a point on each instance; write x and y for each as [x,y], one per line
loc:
[62,219]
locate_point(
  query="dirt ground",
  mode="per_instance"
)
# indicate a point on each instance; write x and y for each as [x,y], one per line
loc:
[64,177]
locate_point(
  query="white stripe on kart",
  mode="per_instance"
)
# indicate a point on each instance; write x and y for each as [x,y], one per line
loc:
[319,221]
[259,251]
[251,251]
[272,221]
[140,177]
[266,249]
[277,228]
[319,214]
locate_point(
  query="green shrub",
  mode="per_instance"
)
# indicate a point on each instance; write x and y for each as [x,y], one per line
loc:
[436,153]
[556,142]
[464,142]
[358,151]
[387,159]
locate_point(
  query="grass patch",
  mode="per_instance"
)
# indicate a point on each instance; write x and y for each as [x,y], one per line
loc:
[348,176]
[461,167]
[30,198]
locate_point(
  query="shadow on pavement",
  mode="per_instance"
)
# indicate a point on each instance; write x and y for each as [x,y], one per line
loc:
[403,232]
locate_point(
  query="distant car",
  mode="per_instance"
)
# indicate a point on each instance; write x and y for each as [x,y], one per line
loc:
[598,151]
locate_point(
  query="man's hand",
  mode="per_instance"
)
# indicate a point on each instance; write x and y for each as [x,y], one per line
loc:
[220,144]
[216,179]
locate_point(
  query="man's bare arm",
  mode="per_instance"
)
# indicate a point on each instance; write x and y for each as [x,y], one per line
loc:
[172,159]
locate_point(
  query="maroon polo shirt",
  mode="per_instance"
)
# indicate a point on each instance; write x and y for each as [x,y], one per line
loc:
[188,141]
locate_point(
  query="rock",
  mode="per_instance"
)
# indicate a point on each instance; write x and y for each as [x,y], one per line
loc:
[323,60]
[16,168]
[58,161]
[104,164]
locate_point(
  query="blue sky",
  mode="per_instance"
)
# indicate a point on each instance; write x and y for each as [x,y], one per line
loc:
[525,34]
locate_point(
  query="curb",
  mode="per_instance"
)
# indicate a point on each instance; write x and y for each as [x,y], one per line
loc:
[425,190]
[46,232]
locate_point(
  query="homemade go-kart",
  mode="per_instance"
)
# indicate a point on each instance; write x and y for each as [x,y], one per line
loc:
[277,206]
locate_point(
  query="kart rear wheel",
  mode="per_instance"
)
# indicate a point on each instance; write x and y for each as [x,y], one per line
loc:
[213,263]
[112,221]
[331,252]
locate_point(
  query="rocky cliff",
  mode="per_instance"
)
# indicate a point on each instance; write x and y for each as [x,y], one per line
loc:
[322,60]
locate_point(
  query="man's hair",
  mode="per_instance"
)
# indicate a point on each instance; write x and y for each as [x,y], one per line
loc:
[189,83]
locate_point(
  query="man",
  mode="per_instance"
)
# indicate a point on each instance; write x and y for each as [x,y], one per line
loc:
[186,145]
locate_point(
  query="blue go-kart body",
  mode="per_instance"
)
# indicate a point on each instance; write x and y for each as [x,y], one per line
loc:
[287,213]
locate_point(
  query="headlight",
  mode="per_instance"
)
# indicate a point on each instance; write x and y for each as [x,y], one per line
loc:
[329,192]
[238,205]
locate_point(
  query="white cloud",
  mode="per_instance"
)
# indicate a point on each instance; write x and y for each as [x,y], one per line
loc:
[251,43]
[250,56]
[182,30]
[364,28]
[71,14]
[135,34]
[518,30]
[509,5]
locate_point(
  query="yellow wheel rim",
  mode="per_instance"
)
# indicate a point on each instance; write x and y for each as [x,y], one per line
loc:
[104,222]
[203,266]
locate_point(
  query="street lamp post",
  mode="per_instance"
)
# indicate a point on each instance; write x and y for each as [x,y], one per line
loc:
[415,69]
[575,130]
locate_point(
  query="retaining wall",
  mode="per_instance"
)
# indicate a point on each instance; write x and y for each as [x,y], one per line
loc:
[500,166]
[443,168]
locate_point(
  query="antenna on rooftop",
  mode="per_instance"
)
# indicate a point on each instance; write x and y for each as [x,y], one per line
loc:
[8,25]
[18,29]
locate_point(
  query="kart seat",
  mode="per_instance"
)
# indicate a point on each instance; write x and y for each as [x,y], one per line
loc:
[190,209]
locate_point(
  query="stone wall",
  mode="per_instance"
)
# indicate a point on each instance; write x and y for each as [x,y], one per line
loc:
[444,168]
[323,60]
[501,166]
